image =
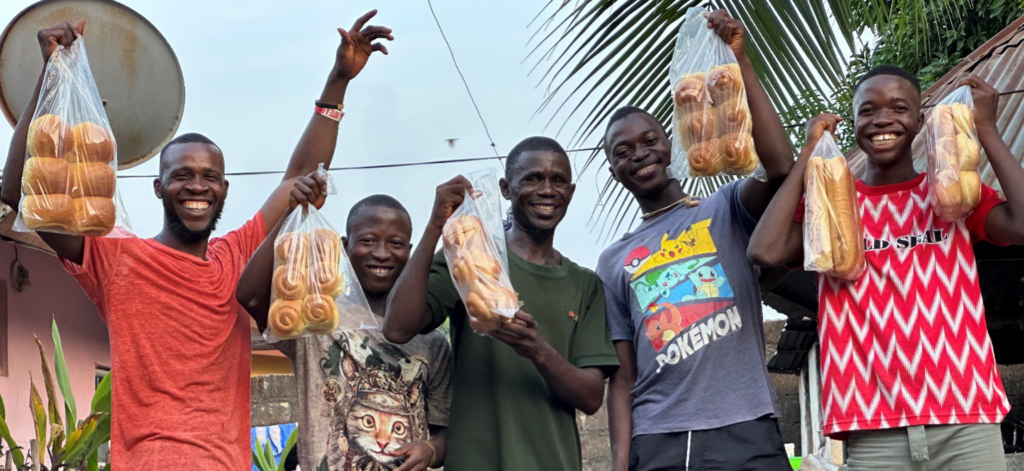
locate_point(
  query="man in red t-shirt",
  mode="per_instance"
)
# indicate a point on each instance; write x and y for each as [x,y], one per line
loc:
[908,372]
[179,340]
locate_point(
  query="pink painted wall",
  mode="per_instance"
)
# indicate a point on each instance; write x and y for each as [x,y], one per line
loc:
[52,292]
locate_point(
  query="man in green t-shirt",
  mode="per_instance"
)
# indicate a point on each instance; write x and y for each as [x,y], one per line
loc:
[515,393]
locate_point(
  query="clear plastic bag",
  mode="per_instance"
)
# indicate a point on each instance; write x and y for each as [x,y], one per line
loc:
[69,182]
[833,235]
[711,121]
[954,185]
[474,247]
[314,289]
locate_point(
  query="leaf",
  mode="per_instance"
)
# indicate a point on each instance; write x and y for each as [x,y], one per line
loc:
[15,450]
[269,456]
[51,394]
[75,451]
[101,398]
[288,448]
[62,377]
[3,411]
[38,412]
[259,456]
[93,462]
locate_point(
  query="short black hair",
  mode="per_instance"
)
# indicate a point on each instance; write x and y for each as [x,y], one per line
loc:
[187,138]
[620,114]
[378,201]
[531,144]
[889,69]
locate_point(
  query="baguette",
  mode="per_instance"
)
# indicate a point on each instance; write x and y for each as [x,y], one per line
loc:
[848,249]
[818,231]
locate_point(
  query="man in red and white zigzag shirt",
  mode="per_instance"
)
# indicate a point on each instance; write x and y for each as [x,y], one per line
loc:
[908,372]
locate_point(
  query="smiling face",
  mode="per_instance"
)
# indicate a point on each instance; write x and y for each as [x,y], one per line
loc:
[378,247]
[639,154]
[540,190]
[887,116]
[193,189]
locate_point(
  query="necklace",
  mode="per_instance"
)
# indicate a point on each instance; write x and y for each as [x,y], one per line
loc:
[690,202]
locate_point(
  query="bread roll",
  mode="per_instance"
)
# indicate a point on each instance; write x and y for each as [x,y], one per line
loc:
[92,179]
[292,247]
[963,118]
[45,176]
[942,120]
[689,91]
[970,191]
[724,83]
[968,153]
[737,151]
[485,303]
[92,143]
[695,127]
[704,159]
[818,229]
[848,244]
[285,319]
[732,116]
[324,278]
[48,213]
[94,216]
[290,282]
[49,136]
[459,231]
[325,246]
[320,314]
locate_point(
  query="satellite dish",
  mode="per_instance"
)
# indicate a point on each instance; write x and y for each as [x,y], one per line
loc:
[136,71]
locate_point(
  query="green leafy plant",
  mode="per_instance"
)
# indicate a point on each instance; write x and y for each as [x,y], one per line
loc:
[263,455]
[72,448]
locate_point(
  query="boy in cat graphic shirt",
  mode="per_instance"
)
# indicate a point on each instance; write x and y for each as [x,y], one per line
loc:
[684,308]
[364,403]
[908,371]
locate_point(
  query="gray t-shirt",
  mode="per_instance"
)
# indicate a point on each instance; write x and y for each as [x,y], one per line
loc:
[361,397]
[681,289]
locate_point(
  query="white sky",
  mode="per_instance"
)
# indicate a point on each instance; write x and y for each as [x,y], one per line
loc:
[253,68]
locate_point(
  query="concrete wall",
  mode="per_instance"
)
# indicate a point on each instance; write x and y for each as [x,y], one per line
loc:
[52,293]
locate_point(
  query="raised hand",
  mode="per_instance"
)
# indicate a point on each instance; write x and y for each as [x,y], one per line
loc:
[730,30]
[986,101]
[816,127]
[356,46]
[62,34]
[448,198]
[311,188]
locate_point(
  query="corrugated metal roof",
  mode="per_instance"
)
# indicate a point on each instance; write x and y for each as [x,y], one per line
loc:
[1000,62]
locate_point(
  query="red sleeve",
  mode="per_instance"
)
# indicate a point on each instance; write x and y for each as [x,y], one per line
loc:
[976,220]
[244,241]
[99,262]
[798,216]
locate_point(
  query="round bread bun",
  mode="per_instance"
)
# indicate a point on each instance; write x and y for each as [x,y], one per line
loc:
[92,179]
[724,82]
[94,216]
[92,144]
[689,91]
[704,159]
[45,176]
[320,314]
[697,127]
[49,136]
[290,282]
[292,247]
[48,213]
[285,319]
[738,156]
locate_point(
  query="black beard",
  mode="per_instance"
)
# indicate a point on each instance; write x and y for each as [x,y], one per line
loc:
[181,231]
[520,219]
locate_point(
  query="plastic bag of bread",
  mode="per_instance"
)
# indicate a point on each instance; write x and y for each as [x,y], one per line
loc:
[833,240]
[474,247]
[711,124]
[954,185]
[70,177]
[314,289]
